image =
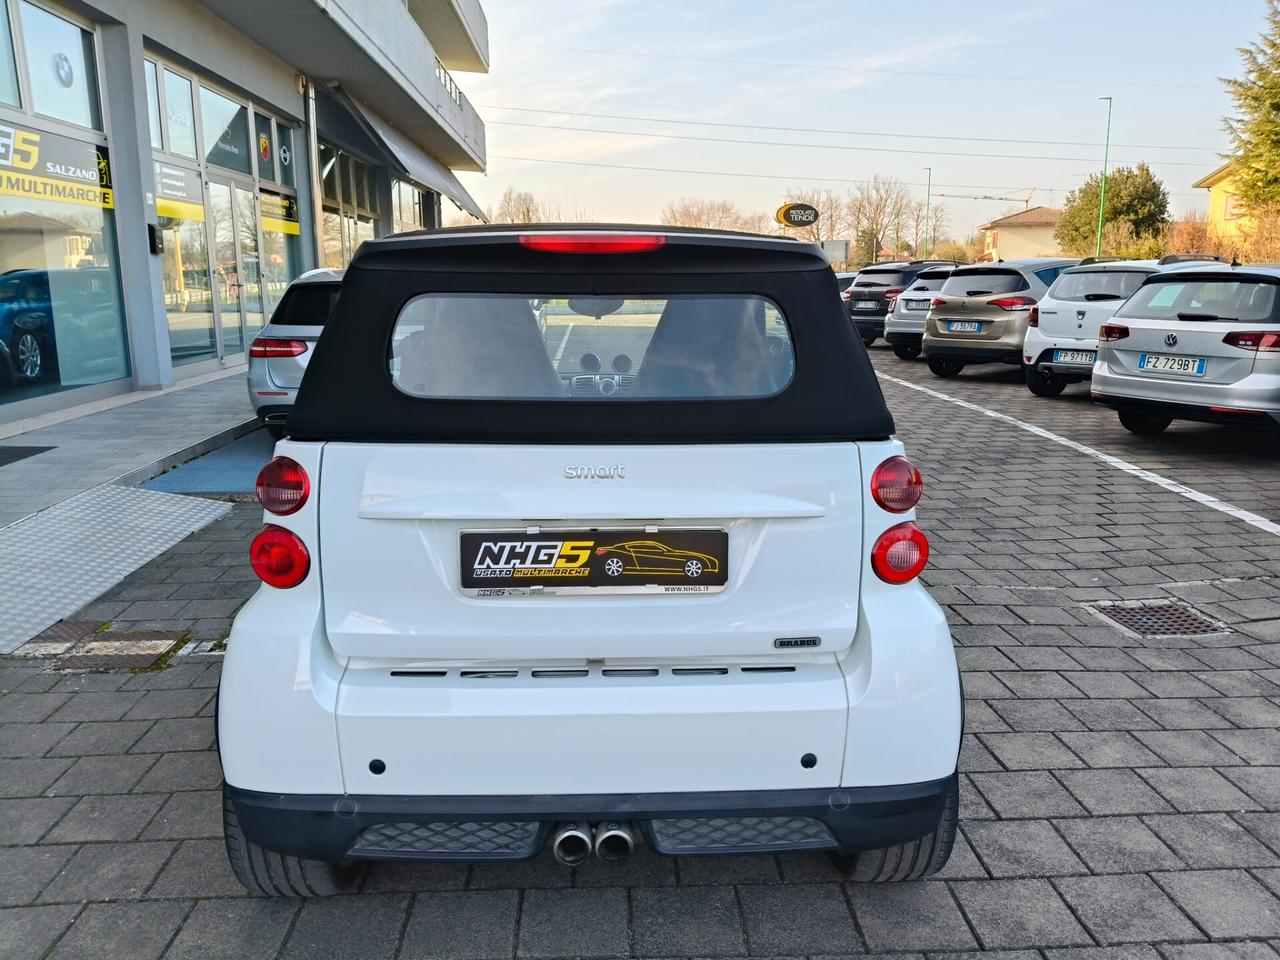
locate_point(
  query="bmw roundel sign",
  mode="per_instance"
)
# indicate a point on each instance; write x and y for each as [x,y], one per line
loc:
[797,215]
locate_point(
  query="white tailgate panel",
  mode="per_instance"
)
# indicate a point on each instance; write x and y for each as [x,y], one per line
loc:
[391,516]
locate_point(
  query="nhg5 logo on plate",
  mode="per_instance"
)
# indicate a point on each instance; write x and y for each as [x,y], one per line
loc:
[19,148]
[528,558]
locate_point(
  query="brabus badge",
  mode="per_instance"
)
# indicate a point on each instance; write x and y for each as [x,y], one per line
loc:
[1171,339]
[788,643]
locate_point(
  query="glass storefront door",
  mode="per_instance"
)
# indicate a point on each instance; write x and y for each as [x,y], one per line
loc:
[237,281]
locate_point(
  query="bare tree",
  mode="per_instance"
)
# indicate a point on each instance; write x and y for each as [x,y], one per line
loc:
[877,213]
[712,214]
[556,211]
[517,206]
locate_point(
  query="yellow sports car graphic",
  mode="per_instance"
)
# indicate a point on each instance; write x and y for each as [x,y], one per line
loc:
[651,558]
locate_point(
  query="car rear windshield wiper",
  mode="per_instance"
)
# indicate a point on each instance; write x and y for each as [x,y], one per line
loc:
[1207,317]
[977,293]
[1103,296]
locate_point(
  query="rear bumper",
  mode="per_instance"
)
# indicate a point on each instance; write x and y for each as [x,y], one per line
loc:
[1187,411]
[868,324]
[336,827]
[1253,400]
[948,351]
[898,338]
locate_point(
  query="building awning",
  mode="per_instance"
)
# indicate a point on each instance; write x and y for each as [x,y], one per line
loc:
[415,164]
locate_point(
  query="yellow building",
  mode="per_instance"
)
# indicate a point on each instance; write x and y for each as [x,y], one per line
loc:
[1027,233]
[1226,212]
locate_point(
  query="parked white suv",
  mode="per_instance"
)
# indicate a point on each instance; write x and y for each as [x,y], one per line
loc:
[499,613]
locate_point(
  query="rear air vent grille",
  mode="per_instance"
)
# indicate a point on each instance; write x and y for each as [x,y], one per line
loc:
[419,673]
[560,674]
[489,674]
[584,673]
[629,672]
[699,671]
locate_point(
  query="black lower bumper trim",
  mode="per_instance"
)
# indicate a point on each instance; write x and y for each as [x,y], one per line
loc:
[869,326]
[974,354]
[896,339]
[331,827]
[1194,412]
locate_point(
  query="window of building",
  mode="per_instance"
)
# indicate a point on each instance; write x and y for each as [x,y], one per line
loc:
[349,213]
[61,68]
[265,144]
[188,297]
[407,207]
[281,243]
[8,64]
[153,105]
[180,114]
[1232,209]
[225,126]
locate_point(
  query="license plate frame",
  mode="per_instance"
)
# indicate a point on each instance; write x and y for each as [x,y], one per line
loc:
[1075,356]
[1161,364]
[964,326]
[865,304]
[915,305]
[592,561]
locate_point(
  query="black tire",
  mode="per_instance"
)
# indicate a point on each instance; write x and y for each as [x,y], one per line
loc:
[904,351]
[868,341]
[907,861]
[1043,384]
[274,874]
[945,367]
[1143,424]
[28,355]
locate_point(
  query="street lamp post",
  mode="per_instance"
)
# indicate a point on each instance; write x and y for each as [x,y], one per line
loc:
[928,198]
[1102,194]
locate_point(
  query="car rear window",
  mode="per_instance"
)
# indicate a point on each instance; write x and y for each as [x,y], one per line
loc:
[930,280]
[478,346]
[977,283]
[1191,299]
[306,305]
[1097,285]
[880,278]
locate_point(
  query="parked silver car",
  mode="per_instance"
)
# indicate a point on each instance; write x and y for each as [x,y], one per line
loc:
[278,355]
[904,326]
[1194,344]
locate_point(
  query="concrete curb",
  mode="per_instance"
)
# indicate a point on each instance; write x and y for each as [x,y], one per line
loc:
[187,454]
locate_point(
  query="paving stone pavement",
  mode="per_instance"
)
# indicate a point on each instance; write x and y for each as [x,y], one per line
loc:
[1121,796]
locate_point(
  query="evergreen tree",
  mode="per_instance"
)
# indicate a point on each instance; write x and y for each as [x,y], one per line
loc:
[1134,196]
[1255,130]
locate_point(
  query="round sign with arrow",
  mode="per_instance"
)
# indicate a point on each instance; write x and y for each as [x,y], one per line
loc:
[797,215]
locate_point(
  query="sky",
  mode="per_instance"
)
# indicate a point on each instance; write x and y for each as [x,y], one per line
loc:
[876,88]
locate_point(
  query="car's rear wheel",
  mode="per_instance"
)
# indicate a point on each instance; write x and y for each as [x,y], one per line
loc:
[1144,424]
[945,367]
[911,860]
[274,874]
[904,351]
[28,357]
[868,341]
[1043,384]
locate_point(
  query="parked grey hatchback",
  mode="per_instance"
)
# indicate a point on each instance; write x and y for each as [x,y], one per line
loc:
[1196,344]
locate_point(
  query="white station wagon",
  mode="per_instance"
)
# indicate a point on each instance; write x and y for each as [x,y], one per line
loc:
[582,538]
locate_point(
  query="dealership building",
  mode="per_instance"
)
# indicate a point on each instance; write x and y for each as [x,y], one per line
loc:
[168,166]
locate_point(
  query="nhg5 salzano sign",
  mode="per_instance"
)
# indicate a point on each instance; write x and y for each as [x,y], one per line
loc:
[46,166]
[797,215]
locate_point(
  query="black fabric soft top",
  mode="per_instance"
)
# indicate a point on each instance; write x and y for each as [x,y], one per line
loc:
[347,393]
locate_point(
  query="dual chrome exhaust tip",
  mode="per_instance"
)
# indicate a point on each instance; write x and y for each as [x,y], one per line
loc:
[573,843]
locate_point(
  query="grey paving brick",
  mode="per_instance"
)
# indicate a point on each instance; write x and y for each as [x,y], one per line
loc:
[168,735]
[1038,683]
[96,706]
[1197,789]
[790,919]
[1260,783]
[102,775]
[234,930]
[691,922]
[1210,840]
[1126,909]
[107,871]
[127,931]
[169,704]
[26,820]
[30,739]
[1030,751]
[1026,716]
[921,916]
[1110,715]
[1254,746]
[1018,913]
[478,924]
[106,818]
[30,707]
[26,933]
[350,928]
[198,868]
[1217,951]
[1031,793]
[30,777]
[27,870]
[1106,684]
[600,930]
[188,814]
[1224,903]
[1186,748]
[1117,845]
[101,739]
[182,771]
[1111,748]
[1022,848]
[1107,792]
[1181,714]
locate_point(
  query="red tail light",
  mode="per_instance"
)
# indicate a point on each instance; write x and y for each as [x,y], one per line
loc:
[900,554]
[846,293]
[279,557]
[1112,331]
[897,485]
[892,294]
[592,242]
[937,302]
[1267,341]
[1033,318]
[267,347]
[1012,303]
[283,486]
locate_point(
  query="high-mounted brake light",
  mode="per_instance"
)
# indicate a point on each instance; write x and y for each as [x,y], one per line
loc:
[1033,318]
[283,486]
[1012,303]
[897,485]
[1267,341]
[1109,332]
[268,347]
[900,554]
[279,557]
[592,242]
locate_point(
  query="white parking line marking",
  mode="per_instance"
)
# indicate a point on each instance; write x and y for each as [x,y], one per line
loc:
[1253,519]
[564,342]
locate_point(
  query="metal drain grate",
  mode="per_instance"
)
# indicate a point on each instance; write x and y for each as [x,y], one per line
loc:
[1160,620]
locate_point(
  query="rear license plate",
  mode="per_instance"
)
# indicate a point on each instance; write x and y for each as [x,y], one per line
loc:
[864,304]
[496,563]
[1166,363]
[916,304]
[964,326]
[1074,356]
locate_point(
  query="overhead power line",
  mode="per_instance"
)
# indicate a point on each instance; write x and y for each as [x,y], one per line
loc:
[847,68]
[852,133]
[823,146]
